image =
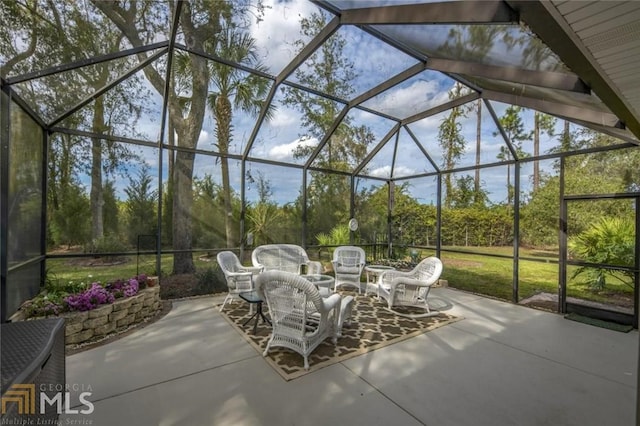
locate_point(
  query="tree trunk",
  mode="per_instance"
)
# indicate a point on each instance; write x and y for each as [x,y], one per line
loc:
[449,165]
[96,195]
[565,136]
[187,127]
[223,126]
[476,182]
[536,150]
[171,141]
[509,195]
[167,208]
[182,202]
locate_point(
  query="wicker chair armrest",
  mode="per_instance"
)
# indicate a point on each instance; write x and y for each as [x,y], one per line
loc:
[388,276]
[314,267]
[239,274]
[337,266]
[331,302]
[409,281]
[253,269]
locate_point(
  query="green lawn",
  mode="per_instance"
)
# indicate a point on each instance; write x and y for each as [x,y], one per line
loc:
[494,276]
[76,270]
[491,276]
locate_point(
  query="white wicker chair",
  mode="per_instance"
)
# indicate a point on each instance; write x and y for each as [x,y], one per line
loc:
[301,318]
[348,263]
[284,257]
[239,277]
[410,288]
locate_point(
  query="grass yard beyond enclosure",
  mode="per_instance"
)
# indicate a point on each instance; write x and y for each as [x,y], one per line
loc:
[476,273]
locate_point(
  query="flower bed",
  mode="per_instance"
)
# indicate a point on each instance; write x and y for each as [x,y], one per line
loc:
[98,310]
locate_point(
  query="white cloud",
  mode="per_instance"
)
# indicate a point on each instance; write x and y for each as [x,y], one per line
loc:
[282,118]
[491,146]
[276,33]
[405,171]
[149,156]
[285,151]
[383,172]
[408,100]
[148,128]
[204,139]
[427,124]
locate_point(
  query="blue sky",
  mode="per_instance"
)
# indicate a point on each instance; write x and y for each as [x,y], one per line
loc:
[374,62]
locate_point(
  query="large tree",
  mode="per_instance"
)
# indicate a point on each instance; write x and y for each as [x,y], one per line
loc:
[513,125]
[476,179]
[542,123]
[201,23]
[594,173]
[331,71]
[64,32]
[140,206]
[109,113]
[234,89]
[452,140]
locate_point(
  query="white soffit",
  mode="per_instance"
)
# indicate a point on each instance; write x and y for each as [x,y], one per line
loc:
[610,32]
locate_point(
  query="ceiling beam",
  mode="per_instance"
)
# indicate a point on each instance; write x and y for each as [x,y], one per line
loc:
[547,79]
[264,110]
[95,95]
[395,155]
[421,148]
[327,136]
[505,137]
[385,85]
[309,49]
[375,150]
[546,21]
[563,110]
[622,134]
[220,60]
[302,56]
[85,62]
[440,108]
[458,12]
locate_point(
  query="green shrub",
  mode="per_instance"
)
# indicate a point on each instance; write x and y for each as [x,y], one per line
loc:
[106,244]
[54,285]
[210,280]
[339,236]
[45,304]
[610,241]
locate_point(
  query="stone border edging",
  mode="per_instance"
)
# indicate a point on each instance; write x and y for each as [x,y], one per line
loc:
[82,326]
[122,313]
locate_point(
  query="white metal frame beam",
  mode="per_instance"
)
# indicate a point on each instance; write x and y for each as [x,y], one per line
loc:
[546,21]
[459,12]
[547,79]
[570,112]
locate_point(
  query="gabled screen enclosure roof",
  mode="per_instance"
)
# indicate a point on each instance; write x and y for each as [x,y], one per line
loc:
[576,60]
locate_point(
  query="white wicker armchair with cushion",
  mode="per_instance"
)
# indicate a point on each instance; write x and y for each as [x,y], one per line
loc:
[348,263]
[411,288]
[239,277]
[301,318]
[284,257]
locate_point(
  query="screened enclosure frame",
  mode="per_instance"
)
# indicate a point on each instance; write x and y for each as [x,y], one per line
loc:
[615,117]
[599,312]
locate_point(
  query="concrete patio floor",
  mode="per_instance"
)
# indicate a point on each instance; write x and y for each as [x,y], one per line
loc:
[502,364]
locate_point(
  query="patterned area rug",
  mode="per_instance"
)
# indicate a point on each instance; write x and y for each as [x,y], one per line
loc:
[372,327]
